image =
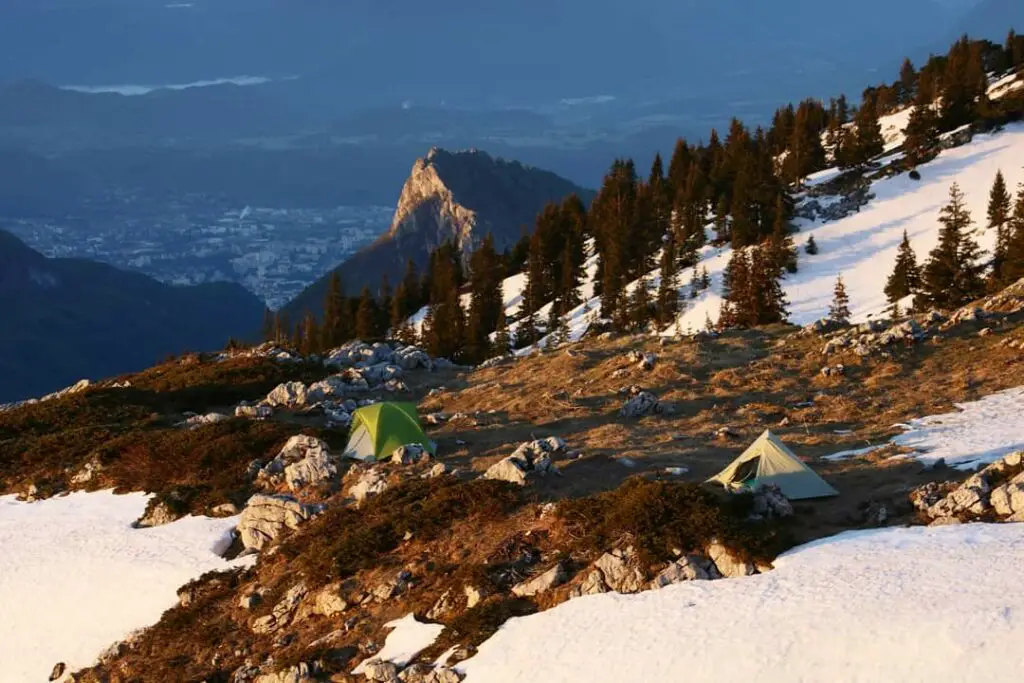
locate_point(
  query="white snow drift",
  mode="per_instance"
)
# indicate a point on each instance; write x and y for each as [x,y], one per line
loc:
[75,576]
[917,604]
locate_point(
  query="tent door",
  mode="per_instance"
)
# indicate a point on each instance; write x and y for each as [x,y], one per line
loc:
[360,445]
[747,471]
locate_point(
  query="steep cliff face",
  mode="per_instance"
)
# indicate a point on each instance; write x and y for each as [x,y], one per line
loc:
[449,196]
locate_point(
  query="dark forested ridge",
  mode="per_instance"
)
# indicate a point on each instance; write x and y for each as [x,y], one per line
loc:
[69,319]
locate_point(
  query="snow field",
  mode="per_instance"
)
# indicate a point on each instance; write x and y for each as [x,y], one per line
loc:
[75,576]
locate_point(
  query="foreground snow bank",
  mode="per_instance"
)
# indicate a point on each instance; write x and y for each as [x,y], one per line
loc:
[76,577]
[915,604]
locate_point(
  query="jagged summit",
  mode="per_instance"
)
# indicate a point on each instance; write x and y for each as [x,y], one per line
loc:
[459,196]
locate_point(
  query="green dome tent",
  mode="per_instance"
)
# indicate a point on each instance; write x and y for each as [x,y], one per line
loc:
[769,461]
[378,429]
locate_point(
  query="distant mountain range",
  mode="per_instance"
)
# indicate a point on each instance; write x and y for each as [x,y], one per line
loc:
[69,319]
[457,197]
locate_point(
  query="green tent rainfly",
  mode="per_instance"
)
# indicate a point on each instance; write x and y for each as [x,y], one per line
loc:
[380,428]
[769,461]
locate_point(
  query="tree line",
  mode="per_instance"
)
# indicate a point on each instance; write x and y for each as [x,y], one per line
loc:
[733,191]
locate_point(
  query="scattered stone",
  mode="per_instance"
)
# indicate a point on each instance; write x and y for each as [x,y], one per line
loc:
[985,332]
[643,361]
[380,671]
[392,587]
[373,482]
[288,395]
[438,470]
[727,563]
[410,454]
[591,585]
[250,600]
[224,510]
[686,568]
[256,412]
[473,596]
[769,502]
[300,673]
[552,578]
[328,601]
[57,671]
[531,458]
[644,403]
[266,517]
[444,606]
[157,515]
[620,572]
[88,472]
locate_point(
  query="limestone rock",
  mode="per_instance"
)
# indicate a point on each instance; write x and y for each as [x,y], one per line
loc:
[727,563]
[444,606]
[410,454]
[158,515]
[591,585]
[620,572]
[266,517]
[552,578]
[300,673]
[373,482]
[380,671]
[288,395]
[473,596]
[529,459]
[686,568]
[644,403]
[392,587]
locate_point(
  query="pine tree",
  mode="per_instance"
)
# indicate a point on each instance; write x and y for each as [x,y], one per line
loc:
[907,82]
[964,85]
[781,241]
[1012,267]
[999,215]
[742,230]
[640,308]
[502,339]
[868,142]
[906,275]
[736,291]
[811,247]
[695,288]
[668,289]
[922,133]
[839,310]
[722,231]
[338,326]
[952,276]
[767,298]
[310,336]
[366,316]
[485,300]
[705,278]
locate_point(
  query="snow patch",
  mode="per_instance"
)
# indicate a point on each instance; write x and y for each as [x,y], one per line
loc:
[75,576]
[407,639]
[912,604]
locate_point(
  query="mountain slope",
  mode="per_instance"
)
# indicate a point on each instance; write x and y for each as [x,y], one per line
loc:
[449,196]
[66,319]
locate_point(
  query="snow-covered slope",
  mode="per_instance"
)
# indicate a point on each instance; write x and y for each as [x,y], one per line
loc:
[914,604]
[75,576]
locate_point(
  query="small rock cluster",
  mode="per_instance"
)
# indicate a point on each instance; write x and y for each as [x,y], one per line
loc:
[871,337]
[303,461]
[641,403]
[840,207]
[994,493]
[267,517]
[531,459]
[381,671]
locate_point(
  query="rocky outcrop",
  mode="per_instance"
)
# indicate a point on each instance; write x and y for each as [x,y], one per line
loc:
[542,583]
[303,461]
[267,517]
[458,197]
[996,493]
[531,459]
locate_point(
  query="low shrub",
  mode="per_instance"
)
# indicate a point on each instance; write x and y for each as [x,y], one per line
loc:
[659,518]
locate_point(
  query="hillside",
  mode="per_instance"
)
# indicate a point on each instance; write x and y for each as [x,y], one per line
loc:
[390,542]
[457,197]
[68,319]
[859,243]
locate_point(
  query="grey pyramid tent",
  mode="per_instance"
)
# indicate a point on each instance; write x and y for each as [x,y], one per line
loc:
[769,461]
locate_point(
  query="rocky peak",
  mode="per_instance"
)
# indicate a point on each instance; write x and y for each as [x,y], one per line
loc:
[461,196]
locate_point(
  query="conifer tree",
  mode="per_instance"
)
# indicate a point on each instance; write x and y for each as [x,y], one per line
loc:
[485,300]
[310,336]
[705,278]
[781,240]
[811,247]
[922,132]
[366,316]
[839,310]
[668,290]
[640,308]
[736,290]
[907,82]
[905,278]
[502,339]
[444,328]
[695,284]
[722,230]
[952,275]
[337,328]
[742,230]
[999,215]
[1012,266]
[767,299]
[868,142]
[964,85]
[282,327]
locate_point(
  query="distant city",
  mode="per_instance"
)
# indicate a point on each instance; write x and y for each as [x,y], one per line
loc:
[274,252]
